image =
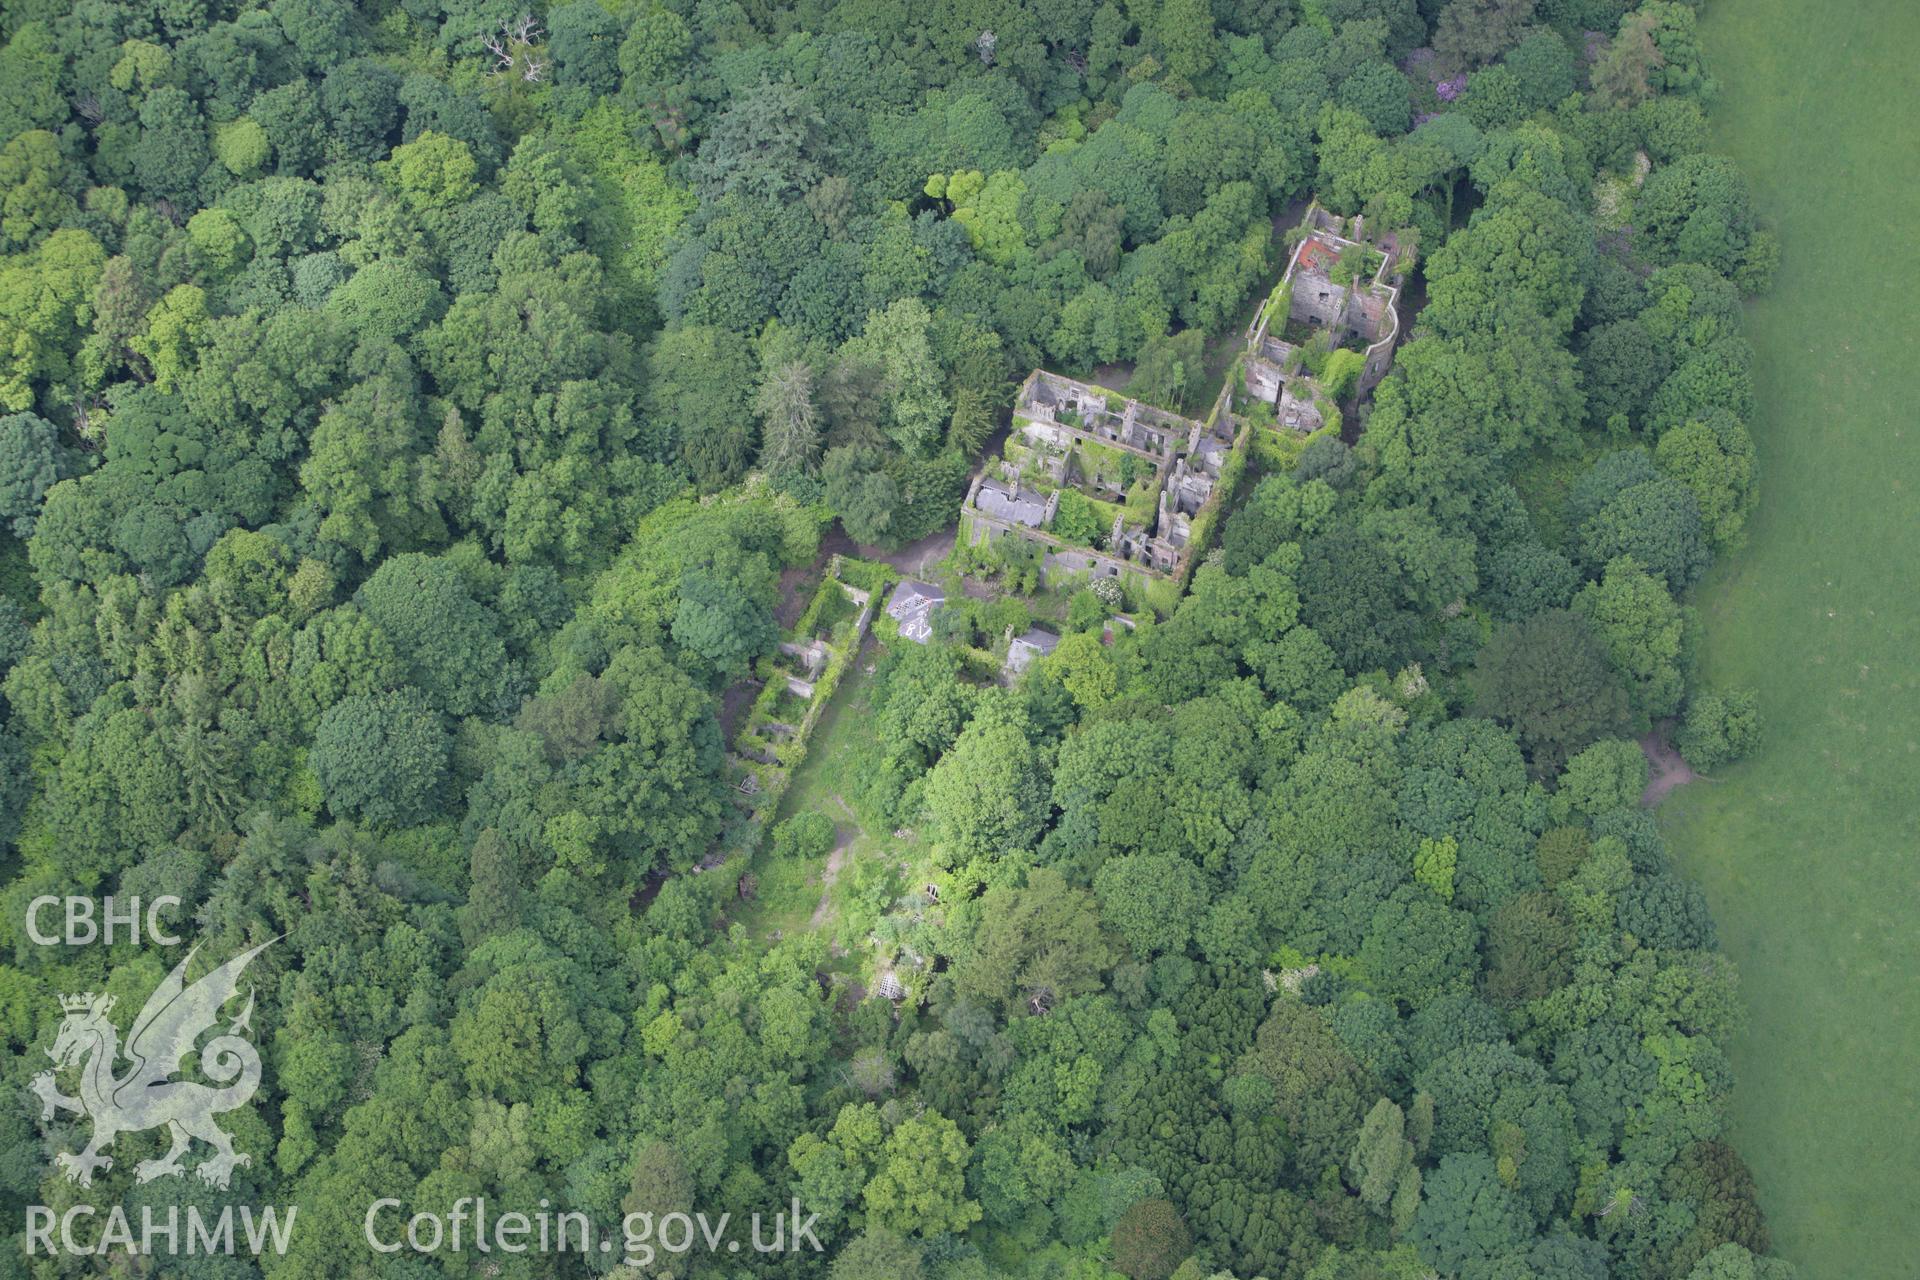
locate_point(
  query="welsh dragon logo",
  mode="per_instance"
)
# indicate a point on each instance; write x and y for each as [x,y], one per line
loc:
[176,1015]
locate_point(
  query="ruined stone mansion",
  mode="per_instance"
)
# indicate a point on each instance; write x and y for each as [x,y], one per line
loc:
[1144,473]
[1316,304]
[1135,479]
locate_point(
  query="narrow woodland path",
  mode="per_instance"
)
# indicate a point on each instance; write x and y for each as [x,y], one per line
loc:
[1665,767]
[843,838]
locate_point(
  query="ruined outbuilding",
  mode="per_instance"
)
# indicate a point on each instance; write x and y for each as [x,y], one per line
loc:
[913,606]
[1024,650]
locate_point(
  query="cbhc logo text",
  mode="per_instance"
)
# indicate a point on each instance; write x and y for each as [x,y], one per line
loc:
[105,921]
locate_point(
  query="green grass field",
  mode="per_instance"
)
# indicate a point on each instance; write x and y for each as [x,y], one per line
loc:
[1810,852]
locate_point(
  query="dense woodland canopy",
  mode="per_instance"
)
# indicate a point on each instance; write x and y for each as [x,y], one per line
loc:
[410,410]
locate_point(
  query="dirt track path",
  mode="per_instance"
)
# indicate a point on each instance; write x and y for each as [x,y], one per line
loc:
[843,837]
[1665,769]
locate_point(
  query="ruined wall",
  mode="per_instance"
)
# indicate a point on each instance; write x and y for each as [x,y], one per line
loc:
[1065,563]
[1367,316]
[1317,300]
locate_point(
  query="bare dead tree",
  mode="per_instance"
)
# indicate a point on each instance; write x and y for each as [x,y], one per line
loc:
[513,49]
[91,437]
[504,59]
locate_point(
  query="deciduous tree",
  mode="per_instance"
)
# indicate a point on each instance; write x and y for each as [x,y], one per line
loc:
[381,757]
